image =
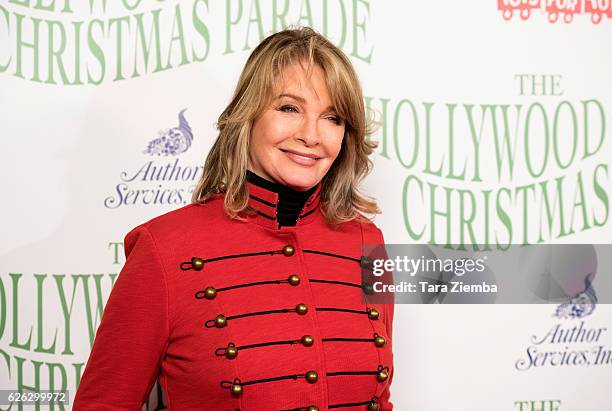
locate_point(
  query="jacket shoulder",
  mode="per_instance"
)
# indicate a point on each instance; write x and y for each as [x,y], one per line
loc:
[185,218]
[371,231]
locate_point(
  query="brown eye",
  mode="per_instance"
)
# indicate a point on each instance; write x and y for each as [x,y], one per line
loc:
[287,109]
[336,119]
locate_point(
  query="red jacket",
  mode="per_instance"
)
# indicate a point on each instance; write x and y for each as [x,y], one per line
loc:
[242,316]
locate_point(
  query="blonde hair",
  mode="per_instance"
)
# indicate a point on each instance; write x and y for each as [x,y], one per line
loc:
[226,163]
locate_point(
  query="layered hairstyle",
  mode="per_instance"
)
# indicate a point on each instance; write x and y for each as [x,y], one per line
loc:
[226,164]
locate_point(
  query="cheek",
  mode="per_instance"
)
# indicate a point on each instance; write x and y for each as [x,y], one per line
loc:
[274,129]
[279,131]
[265,149]
[334,144]
[259,146]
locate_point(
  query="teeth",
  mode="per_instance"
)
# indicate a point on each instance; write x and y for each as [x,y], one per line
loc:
[304,157]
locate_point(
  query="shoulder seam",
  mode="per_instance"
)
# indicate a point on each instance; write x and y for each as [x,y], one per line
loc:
[165,275]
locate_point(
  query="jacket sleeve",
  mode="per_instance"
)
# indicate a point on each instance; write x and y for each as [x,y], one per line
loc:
[132,337]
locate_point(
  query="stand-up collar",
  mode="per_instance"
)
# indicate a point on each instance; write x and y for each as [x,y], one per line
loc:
[265,196]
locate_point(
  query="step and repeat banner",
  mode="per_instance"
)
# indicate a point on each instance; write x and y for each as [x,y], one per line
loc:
[495,121]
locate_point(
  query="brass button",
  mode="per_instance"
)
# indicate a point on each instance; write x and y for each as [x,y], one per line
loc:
[294,279]
[313,408]
[236,390]
[382,375]
[288,250]
[373,406]
[197,263]
[307,340]
[231,351]
[301,309]
[220,321]
[312,377]
[222,186]
[373,314]
[365,262]
[367,288]
[379,341]
[210,293]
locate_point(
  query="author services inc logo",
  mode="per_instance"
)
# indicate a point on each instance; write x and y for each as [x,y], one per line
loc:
[574,339]
[162,178]
[581,305]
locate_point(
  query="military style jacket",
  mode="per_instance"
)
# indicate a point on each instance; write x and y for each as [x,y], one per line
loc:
[242,315]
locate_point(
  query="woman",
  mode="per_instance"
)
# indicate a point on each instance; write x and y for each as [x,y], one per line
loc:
[250,298]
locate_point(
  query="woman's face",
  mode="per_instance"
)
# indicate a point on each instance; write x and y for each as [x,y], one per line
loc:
[299,135]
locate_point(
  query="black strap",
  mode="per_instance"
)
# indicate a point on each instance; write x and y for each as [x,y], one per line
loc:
[228,384]
[339,339]
[188,265]
[374,400]
[345,257]
[336,282]
[346,310]
[202,293]
[350,404]
[221,351]
[211,323]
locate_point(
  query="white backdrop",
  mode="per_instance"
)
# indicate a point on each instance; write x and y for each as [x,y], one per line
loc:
[489,121]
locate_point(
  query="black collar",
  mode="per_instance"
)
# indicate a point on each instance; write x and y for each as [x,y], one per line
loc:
[290,202]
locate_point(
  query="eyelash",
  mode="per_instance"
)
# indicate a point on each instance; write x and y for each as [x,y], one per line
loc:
[335,119]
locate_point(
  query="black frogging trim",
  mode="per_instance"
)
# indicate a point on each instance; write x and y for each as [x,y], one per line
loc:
[261,200]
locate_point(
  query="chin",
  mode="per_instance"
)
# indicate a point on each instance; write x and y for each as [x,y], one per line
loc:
[300,183]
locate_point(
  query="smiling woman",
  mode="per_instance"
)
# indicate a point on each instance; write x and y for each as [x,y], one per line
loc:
[251,297]
[297,138]
[297,96]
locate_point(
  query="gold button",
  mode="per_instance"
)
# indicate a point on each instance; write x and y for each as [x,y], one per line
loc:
[379,341]
[367,288]
[301,309]
[236,390]
[294,279]
[365,262]
[197,263]
[210,293]
[373,314]
[382,375]
[373,406]
[313,408]
[220,321]
[307,340]
[231,351]
[222,186]
[312,377]
[288,250]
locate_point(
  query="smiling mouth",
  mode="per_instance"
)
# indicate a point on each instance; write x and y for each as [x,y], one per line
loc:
[300,159]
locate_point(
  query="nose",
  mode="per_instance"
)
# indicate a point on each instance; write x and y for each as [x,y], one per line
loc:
[308,133]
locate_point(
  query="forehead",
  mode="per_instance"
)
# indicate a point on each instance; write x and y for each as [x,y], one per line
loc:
[294,79]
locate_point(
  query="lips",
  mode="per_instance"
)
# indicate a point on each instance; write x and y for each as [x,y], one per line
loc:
[304,159]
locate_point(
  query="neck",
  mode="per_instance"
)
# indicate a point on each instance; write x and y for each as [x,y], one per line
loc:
[290,201]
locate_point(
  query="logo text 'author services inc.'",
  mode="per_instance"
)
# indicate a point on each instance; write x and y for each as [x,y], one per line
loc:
[162,178]
[570,341]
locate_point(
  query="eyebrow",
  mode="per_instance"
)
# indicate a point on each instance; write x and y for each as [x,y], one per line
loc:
[301,100]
